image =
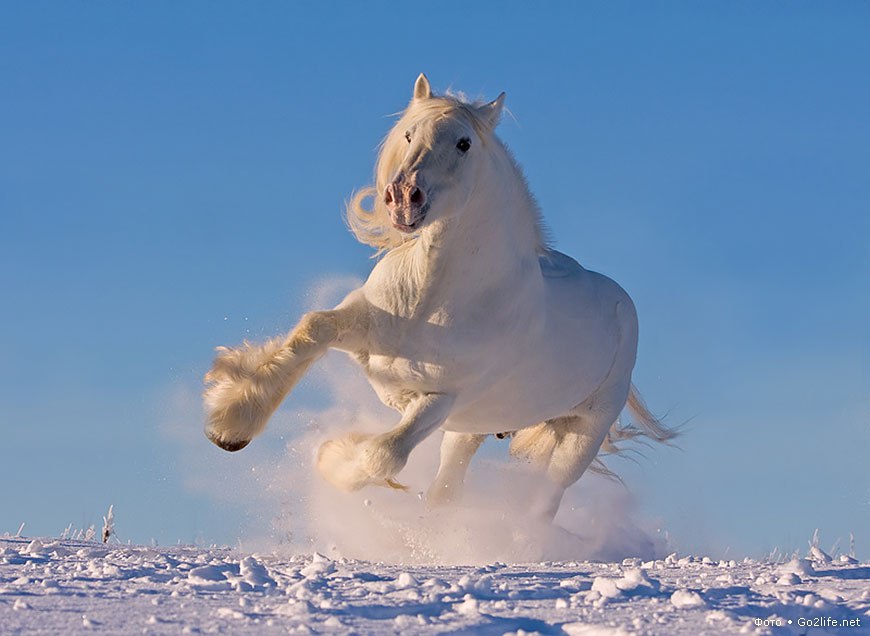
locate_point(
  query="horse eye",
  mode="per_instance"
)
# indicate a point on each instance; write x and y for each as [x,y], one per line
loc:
[464,144]
[408,136]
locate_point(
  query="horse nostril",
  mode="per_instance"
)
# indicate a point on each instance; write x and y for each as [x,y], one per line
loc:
[388,196]
[416,196]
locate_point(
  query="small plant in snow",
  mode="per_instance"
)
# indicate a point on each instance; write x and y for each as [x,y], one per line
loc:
[90,533]
[109,524]
[67,532]
[20,530]
[773,556]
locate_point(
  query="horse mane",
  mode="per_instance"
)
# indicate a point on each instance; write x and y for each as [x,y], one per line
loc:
[373,226]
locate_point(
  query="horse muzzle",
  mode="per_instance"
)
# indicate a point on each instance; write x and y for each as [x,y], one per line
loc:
[407,223]
[407,203]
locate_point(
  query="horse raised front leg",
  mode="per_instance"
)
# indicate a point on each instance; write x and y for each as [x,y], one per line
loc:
[356,459]
[246,384]
[457,449]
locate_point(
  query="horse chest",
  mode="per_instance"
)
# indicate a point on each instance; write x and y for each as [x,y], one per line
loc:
[433,329]
[432,351]
[439,347]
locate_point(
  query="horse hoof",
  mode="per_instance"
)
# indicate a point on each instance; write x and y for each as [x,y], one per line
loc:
[340,461]
[232,447]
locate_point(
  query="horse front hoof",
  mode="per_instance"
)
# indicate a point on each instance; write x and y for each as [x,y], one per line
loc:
[341,462]
[357,460]
[232,447]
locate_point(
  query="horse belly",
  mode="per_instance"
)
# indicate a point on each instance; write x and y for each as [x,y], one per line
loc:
[527,396]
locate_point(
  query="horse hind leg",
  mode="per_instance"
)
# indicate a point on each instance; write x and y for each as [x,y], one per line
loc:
[563,448]
[457,449]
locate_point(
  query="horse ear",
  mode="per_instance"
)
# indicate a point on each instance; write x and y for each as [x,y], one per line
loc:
[491,112]
[422,90]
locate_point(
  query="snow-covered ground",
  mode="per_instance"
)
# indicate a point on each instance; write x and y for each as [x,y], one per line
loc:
[381,561]
[66,587]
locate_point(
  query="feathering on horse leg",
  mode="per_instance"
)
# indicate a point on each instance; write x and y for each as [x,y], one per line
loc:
[537,444]
[534,444]
[457,449]
[356,460]
[246,384]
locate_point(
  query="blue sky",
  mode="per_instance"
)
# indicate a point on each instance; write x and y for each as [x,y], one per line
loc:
[172,177]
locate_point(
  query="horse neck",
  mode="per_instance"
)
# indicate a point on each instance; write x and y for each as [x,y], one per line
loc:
[493,240]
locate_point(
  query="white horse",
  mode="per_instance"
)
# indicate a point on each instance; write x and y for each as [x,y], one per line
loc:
[468,323]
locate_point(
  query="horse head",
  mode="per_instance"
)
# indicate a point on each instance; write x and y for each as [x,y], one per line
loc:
[431,158]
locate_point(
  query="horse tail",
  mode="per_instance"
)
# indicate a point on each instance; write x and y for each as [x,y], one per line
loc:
[644,424]
[650,426]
